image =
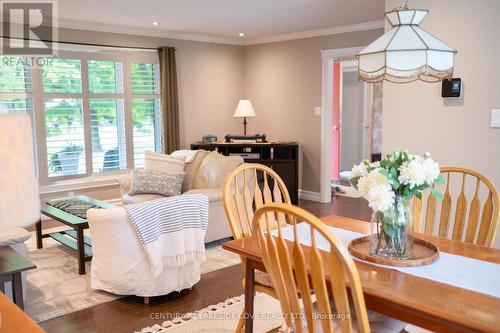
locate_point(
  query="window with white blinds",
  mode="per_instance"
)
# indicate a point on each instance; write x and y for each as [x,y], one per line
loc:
[97,113]
[63,76]
[16,105]
[105,77]
[15,77]
[65,137]
[145,86]
[108,134]
[145,79]
[145,115]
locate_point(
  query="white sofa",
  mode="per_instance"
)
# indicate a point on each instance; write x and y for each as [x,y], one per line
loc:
[205,174]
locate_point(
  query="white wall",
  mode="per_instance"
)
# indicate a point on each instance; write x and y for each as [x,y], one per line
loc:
[415,116]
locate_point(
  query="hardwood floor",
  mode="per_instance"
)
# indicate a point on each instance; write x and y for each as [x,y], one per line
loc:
[130,313]
[356,208]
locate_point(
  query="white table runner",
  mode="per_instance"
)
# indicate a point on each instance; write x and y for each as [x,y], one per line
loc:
[467,273]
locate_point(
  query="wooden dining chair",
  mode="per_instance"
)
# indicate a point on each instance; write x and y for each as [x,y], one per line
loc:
[325,281]
[246,189]
[473,222]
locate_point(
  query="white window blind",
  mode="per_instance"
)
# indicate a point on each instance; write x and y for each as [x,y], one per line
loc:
[65,136]
[63,76]
[108,135]
[105,77]
[145,114]
[16,105]
[145,79]
[14,76]
[92,113]
[145,87]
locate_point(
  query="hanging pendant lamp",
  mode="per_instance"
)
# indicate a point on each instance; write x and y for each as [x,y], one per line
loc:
[406,52]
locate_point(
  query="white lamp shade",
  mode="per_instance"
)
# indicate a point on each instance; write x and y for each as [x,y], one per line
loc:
[406,53]
[19,196]
[244,109]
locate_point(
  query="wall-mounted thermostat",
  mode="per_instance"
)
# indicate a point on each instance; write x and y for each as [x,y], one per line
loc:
[451,88]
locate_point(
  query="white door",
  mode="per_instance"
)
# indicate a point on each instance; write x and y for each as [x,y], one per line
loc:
[355,120]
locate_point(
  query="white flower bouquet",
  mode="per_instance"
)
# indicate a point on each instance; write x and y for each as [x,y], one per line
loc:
[388,186]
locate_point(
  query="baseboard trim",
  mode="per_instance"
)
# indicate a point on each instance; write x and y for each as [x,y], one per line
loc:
[309,195]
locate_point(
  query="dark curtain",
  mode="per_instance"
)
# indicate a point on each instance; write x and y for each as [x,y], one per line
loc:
[169,100]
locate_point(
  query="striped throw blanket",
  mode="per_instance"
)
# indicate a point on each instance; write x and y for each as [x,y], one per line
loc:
[172,230]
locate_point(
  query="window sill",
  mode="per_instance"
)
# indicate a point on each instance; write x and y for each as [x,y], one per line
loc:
[94,181]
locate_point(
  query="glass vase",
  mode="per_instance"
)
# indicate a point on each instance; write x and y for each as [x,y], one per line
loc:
[392,231]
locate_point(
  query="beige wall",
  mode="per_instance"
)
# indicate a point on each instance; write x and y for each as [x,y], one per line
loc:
[283,81]
[415,116]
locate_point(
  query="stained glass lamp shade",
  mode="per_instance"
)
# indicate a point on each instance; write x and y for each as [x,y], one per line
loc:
[406,52]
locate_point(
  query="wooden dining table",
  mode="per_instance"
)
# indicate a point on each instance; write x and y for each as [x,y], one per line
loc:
[423,302]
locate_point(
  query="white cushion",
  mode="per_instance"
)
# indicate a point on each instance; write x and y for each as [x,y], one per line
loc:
[214,170]
[163,162]
[191,170]
[188,154]
[12,236]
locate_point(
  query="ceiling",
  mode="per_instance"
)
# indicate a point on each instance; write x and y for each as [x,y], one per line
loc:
[219,19]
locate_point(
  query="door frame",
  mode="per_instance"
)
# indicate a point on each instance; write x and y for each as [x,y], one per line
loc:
[328,57]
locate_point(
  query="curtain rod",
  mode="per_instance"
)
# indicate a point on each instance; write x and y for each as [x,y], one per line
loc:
[89,44]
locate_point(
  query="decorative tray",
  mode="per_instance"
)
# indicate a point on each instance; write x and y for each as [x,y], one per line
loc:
[424,253]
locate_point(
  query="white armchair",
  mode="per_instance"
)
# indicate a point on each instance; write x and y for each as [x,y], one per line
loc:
[119,263]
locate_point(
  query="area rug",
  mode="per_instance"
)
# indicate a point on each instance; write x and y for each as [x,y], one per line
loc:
[55,288]
[223,317]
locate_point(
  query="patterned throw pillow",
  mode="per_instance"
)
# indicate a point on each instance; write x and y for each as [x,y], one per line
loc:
[156,182]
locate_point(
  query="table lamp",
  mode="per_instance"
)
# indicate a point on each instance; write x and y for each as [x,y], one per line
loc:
[19,196]
[244,109]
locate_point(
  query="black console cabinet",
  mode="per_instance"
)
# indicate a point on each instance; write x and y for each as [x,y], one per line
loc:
[281,157]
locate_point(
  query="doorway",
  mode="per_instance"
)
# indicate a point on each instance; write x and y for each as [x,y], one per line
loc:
[351,120]
[354,123]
